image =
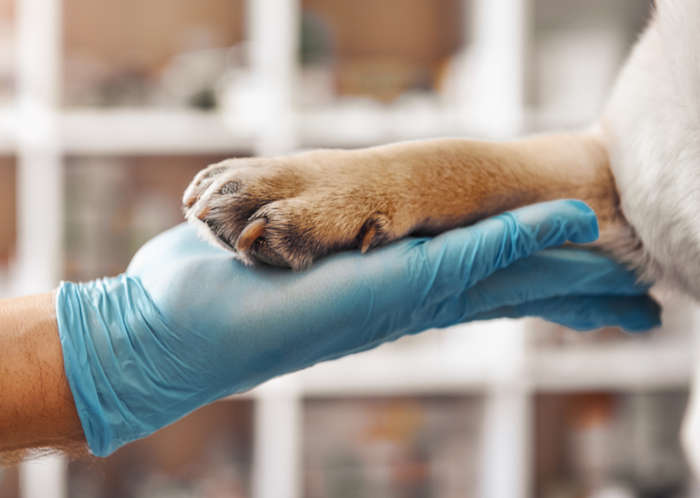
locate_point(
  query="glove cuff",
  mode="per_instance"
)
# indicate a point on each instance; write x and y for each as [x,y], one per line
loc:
[99,359]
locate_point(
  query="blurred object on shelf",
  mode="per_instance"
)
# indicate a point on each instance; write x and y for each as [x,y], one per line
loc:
[383,78]
[317,61]
[678,320]
[626,17]
[126,53]
[546,335]
[8,213]
[379,49]
[575,57]
[208,454]
[188,79]
[9,482]
[416,342]
[8,50]
[316,45]
[610,444]
[454,80]
[115,204]
[316,86]
[392,447]
[569,88]
[194,78]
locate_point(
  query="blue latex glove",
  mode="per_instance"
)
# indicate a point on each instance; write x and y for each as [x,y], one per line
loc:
[187,324]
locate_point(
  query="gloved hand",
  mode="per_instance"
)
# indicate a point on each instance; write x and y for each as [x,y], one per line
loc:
[187,324]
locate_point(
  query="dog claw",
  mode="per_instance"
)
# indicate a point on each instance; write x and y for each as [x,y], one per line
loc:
[250,234]
[368,238]
[374,232]
[203,213]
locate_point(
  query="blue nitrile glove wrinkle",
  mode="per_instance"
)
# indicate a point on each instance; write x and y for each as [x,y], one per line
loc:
[187,324]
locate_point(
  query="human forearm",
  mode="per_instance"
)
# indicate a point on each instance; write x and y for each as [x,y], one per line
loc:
[37,409]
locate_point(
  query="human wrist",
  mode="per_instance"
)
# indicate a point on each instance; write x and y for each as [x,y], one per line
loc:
[123,362]
[95,328]
[33,383]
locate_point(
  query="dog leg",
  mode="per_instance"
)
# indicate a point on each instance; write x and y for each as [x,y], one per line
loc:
[291,210]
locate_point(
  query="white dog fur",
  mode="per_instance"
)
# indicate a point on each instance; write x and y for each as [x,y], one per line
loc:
[652,130]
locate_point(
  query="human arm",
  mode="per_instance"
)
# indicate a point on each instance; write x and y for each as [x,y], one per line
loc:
[187,324]
[37,409]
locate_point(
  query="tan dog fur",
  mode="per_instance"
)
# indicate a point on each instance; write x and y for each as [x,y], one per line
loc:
[291,210]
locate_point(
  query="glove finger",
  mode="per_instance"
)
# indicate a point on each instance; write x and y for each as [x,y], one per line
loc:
[553,273]
[631,313]
[548,277]
[457,259]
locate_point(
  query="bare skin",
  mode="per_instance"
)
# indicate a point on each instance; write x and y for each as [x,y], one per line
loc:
[37,411]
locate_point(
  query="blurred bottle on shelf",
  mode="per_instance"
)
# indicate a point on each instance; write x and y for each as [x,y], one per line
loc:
[8,49]
[208,454]
[604,444]
[115,204]
[392,447]
[9,483]
[377,51]
[8,229]
[97,203]
[159,53]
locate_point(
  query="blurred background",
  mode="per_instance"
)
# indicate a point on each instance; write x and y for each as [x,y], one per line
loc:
[108,108]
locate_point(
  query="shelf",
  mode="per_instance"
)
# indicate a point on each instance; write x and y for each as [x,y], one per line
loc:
[614,367]
[148,131]
[183,131]
[352,125]
[9,127]
[379,373]
[133,131]
[124,131]
[461,359]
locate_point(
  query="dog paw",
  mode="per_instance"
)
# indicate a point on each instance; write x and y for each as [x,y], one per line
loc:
[287,211]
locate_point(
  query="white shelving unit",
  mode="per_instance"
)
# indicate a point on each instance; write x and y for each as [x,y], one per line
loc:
[493,359]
